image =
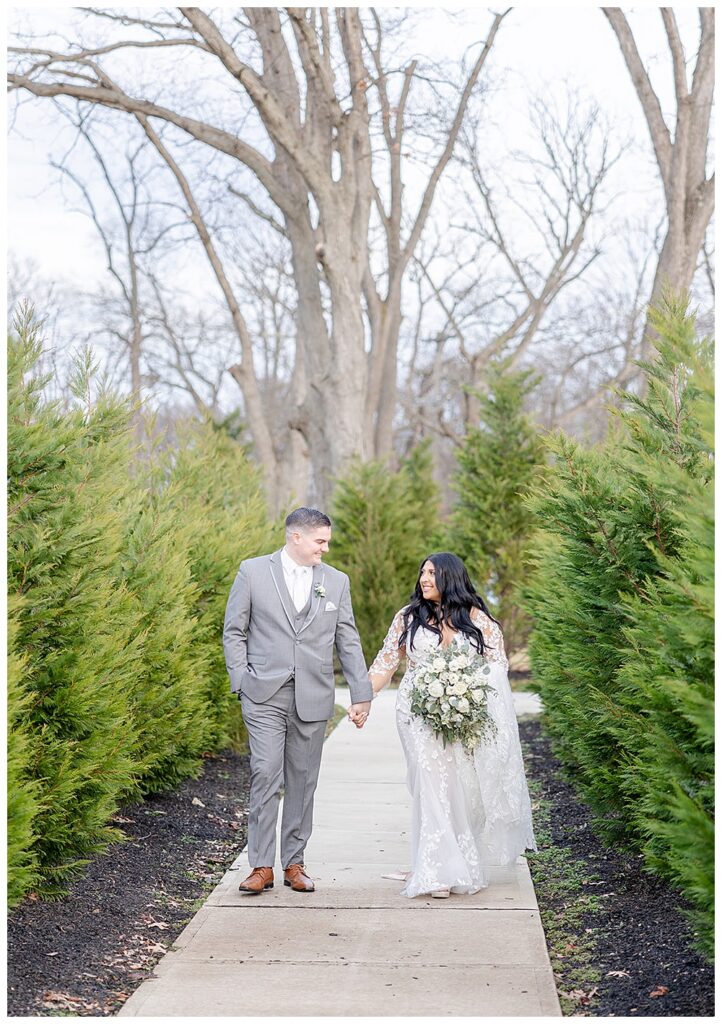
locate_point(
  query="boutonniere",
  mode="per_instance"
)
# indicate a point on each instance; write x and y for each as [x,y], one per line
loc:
[319,590]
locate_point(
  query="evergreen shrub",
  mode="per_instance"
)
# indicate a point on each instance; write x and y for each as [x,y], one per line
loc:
[490,526]
[384,523]
[119,568]
[23,799]
[74,625]
[214,494]
[622,603]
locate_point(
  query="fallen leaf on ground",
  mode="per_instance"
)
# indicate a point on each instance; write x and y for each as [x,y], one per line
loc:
[64,1001]
[661,990]
[197,802]
[618,974]
[580,996]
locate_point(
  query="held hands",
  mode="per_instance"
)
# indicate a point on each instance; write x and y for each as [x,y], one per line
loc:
[358,713]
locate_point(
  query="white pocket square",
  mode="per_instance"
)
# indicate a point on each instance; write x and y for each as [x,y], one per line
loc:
[330,607]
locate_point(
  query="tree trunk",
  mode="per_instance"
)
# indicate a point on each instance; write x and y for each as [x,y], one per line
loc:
[321,156]
[682,162]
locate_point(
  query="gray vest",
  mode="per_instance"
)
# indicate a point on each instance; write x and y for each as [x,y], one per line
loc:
[300,617]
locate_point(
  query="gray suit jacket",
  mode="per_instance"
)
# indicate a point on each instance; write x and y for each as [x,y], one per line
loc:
[265,644]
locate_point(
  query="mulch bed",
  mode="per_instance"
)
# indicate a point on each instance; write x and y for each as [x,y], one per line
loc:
[84,955]
[640,932]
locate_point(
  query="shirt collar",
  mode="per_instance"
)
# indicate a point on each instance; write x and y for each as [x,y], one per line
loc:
[290,566]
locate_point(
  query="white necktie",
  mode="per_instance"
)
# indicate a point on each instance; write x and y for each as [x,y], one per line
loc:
[298,598]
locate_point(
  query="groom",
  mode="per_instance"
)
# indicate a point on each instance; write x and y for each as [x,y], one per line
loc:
[284,615]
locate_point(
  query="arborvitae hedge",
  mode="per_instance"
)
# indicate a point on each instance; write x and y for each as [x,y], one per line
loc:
[23,803]
[172,715]
[622,602]
[490,527]
[67,480]
[216,491]
[119,570]
[384,523]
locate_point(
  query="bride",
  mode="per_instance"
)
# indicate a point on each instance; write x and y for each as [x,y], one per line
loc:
[469,809]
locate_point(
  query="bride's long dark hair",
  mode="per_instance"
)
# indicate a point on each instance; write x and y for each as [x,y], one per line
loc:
[458,597]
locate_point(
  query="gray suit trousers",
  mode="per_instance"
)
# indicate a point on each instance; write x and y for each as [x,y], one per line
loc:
[285,752]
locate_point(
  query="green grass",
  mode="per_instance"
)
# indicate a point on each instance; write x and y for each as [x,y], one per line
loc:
[560,883]
[339,712]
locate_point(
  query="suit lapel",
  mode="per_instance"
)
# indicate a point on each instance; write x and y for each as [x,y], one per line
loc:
[317,580]
[279,583]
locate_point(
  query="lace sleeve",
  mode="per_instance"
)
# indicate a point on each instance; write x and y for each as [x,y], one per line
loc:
[493,637]
[387,660]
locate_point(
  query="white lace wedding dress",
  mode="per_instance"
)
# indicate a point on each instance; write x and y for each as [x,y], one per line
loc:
[469,809]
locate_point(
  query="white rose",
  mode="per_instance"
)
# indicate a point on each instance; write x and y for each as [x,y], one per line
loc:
[436,689]
[477,696]
[460,687]
[463,706]
[438,664]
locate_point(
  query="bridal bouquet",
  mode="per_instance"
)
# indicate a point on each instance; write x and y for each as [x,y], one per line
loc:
[450,693]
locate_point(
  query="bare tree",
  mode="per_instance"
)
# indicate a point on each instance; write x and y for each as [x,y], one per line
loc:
[186,350]
[307,141]
[131,236]
[682,158]
[243,372]
[384,308]
[524,236]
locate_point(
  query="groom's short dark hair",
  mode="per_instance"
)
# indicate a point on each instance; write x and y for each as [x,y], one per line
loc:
[306,519]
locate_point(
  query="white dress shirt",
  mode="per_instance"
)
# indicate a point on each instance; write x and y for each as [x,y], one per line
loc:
[298,579]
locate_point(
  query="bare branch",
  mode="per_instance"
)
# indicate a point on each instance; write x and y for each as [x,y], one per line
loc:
[244,372]
[658,130]
[679,65]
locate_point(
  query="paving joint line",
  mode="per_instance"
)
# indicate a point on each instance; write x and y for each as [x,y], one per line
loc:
[385,906]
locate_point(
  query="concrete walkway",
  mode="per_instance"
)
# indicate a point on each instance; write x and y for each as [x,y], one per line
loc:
[356,947]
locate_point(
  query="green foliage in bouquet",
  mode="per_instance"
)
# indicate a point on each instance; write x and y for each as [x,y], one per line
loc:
[383,525]
[491,527]
[622,600]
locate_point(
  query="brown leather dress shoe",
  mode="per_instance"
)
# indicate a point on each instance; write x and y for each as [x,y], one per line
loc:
[258,880]
[296,877]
